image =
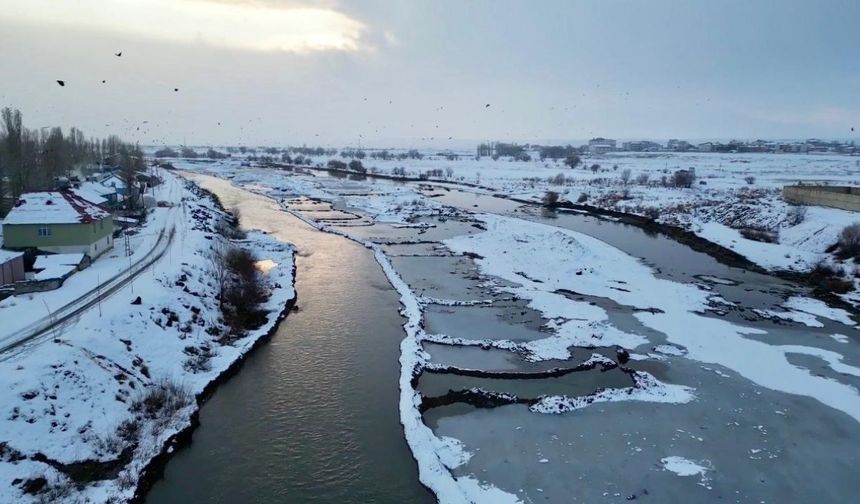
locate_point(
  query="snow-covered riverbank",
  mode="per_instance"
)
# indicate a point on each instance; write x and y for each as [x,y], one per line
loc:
[88,409]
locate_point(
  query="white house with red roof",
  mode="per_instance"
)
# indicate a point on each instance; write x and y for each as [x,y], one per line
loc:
[59,222]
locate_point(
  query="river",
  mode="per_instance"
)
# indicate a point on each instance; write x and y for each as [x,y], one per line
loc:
[312,415]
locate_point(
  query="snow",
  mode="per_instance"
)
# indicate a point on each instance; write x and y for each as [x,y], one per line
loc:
[90,193]
[53,208]
[819,308]
[56,266]
[647,388]
[65,395]
[8,255]
[799,317]
[451,452]
[683,467]
[841,338]
[561,259]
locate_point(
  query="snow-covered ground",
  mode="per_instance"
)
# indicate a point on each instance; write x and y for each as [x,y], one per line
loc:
[111,388]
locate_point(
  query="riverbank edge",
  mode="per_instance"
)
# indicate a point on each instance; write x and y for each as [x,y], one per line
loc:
[153,470]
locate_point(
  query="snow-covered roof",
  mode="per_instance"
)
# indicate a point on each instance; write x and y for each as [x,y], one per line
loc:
[98,188]
[56,266]
[47,261]
[114,181]
[90,195]
[8,255]
[52,207]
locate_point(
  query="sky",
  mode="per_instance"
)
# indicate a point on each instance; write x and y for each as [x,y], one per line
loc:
[446,73]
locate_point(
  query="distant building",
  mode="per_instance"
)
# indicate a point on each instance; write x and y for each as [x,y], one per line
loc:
[58,222]
[678,145]
[705,147]
[601,145]
[640,146]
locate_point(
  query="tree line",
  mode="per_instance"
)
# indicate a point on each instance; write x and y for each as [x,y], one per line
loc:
[32,159]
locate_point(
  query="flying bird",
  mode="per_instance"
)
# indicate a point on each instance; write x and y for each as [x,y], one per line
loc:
[487,106]
[176,90]
[119,54]
[61,83]
[103,81]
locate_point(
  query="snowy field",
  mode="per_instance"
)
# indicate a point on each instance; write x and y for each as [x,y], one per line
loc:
[88,406]
[681,385]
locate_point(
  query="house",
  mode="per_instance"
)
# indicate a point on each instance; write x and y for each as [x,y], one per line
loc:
[678,145]
[11,267]
[97,194]
[640,146]
[58,222]
[601,145]
[115,182]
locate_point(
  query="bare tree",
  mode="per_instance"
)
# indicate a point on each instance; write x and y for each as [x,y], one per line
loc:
[12,131]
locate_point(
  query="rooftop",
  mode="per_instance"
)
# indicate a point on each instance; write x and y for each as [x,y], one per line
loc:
[53,207]
[8,255]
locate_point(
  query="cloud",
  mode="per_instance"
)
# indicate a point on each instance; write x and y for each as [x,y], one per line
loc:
[298,28]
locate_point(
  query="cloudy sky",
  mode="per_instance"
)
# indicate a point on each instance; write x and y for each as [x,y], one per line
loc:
[394,72]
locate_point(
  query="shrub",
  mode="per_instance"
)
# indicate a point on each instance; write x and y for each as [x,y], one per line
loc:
[625,175]
[572,161]
[760,235]
[594,168]
[243,290]
[356,166]
[749,179]
[642,179]
[162,400]
[334,164]
[550,198]
[849,242]
[795,215]
[683,178]
[582,198]
[652,213]
[826,280]
[558,179]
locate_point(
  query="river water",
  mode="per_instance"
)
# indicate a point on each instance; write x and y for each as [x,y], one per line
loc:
[312,415]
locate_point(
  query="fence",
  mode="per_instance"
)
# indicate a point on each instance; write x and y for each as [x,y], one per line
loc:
[844,197]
